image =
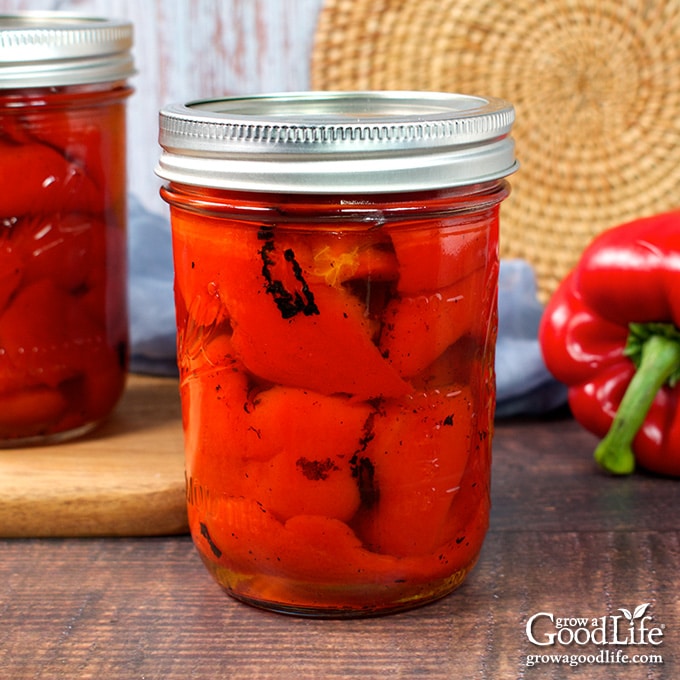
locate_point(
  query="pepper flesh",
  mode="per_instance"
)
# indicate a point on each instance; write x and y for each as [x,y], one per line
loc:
[625,283]
[336,388]
[63,284]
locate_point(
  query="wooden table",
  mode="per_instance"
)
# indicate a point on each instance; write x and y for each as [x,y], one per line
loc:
[564,539]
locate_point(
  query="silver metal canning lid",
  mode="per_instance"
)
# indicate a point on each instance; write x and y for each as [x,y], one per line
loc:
[337,142]
[45,49]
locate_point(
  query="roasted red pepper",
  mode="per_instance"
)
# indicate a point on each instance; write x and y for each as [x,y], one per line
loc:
[63,282]
[611,333]
[336,393]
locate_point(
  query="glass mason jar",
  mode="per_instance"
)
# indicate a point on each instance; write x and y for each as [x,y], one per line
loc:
[336,263]
[63,300]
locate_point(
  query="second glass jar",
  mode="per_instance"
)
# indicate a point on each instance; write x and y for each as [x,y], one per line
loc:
[63,216]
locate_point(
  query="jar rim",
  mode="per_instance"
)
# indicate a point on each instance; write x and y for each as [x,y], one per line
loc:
[331,142]
[54,48]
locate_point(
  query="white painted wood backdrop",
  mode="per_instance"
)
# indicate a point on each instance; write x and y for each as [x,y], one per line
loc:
[191,49]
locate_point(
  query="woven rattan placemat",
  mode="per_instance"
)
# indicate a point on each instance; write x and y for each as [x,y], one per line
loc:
[596,87]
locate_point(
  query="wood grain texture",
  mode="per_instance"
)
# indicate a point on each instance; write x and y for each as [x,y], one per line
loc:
[124,479]
[564,539]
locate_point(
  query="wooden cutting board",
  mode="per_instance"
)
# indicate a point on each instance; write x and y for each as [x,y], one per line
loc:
[126,478]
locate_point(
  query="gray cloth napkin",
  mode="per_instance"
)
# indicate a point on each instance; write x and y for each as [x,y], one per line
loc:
[523,384]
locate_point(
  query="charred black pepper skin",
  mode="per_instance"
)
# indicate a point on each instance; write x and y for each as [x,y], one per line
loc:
[363,471]
[316,470]
[362,467]
[206,534]
[289,303]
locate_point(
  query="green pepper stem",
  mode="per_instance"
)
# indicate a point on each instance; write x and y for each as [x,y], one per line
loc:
[659,360]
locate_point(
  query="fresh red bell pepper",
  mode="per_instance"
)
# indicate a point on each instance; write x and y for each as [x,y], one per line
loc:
[611,333]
